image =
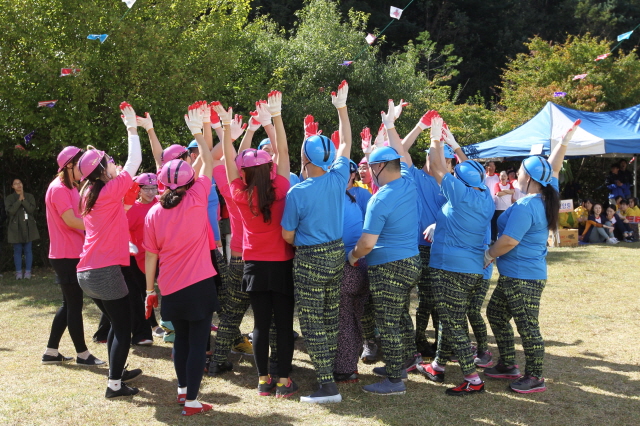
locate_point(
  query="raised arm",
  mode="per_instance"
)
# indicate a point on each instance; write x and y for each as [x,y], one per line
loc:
[227,143]
[206,128]
[451,141]
[388,119]
[134,154]
[436,153]
[339,100]
[194,120]
[557,156]
[254,125]
[280,147]
[156,148]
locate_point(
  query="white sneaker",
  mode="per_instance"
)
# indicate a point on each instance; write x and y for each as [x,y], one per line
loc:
[612,241]
[27,275]
[369,351]
[19,275]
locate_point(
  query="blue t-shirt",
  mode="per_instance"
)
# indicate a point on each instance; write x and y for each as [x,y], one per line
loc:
[526,222]
[212,209]
[315,206]
[461,225]
[293,179]
[392,214]
[362,197]
[430,201]
[353,220]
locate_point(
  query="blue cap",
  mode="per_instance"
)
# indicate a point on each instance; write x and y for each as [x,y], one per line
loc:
[448,152]
[384,154]
[320,151]
[193,144]
[471,173]
[353,167]
[539,169]
[264,142]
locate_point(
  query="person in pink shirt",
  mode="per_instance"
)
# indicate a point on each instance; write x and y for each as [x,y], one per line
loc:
[106,248]
[176,235]
[503,192]
[66,234]
[259,185]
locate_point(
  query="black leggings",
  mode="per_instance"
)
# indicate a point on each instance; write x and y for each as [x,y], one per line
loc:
[119,339]
[142,289]
[140,327]
[70,313]
[494,224]
[267,305]
[189,352]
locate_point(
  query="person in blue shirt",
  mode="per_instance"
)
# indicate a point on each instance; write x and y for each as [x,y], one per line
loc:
[389,242]
[457,260]
[521,251]
[313,222]
[354,291]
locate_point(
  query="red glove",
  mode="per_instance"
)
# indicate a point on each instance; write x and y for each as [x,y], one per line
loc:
[150,303]
[425,121]
[310,127]
[335,138]
[215,119]
[132,194]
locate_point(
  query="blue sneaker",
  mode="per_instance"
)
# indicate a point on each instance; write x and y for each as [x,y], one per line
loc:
[385,387]
[382,372]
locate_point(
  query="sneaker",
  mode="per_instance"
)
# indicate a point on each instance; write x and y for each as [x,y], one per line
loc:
[90,361]
[182,398]
[158,332]
[322,396]
[216,369]
[128,376]
[266,387]
[144,342]
[244,348]
[369,352]
[501,371]
[123,391]
[214,327]
[428,371]
[19,275]
[190,411]
[412,362]
[484,360]
[285,391]
[385,387]
[528,384]
[59,359]
[27,275]
[346,377]
[609,241]
[465,388]
[382,372]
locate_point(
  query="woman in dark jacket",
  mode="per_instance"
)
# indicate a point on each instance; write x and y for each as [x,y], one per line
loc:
[22,228]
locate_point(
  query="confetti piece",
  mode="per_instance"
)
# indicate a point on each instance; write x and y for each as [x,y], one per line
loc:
[346,63]
[101,37]
[601,57]
[64,72]
[27,139]
[371,38]
[20,147]
[559,94]
[395,12]
[625,36]
[49,104]
[579,76]
[129,3]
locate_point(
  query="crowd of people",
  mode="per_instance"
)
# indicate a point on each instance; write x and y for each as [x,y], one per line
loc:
[345,243]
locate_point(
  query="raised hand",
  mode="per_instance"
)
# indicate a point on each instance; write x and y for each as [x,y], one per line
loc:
[145,121]
[310,127]
[254,124]
[388,118]
[365,135]
[339,100]
[264,116]
[335,138]
[436,128]
[448,137]
[274,100]
[128,115]
[567,136]
[425,121]
[206,108]
[398,109]
[381,139]
[237,128]
[194,117]
[225,115]
[214,117]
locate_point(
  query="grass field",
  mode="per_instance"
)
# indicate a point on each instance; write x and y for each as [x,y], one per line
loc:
[589,317]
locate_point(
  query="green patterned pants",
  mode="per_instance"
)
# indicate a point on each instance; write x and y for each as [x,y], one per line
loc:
[369,320]
[391,285]
[475,317]
[454,292]
[520,300]
[426,299]
[223,271]
[317,276]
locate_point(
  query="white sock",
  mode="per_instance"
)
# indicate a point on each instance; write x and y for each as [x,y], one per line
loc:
[193,404]
[84,355]
[52,352]
[115,384]
[474,380]
[182,390]
[436,366]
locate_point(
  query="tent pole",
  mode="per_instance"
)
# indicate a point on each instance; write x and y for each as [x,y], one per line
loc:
[635,177]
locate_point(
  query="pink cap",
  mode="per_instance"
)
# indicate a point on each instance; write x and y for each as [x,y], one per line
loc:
[363,161]
[254,157]
[146,179]
[176,173]
[66,155]
[89,161]
[171,153]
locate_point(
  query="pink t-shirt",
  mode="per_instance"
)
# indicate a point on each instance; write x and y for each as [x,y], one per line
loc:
[179,237]
[263,241]
[66,242]
[106,240]
[135,216]
[235,218]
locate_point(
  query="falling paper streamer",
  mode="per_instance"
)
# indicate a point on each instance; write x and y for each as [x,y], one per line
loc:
[395,12]
[129,3]
[20,147]
[601,57]
[625,36]
[101,37]
[49,104]
[346,63]
[579,76]
[27,139]
[69,71]
[371,38]
[559,94]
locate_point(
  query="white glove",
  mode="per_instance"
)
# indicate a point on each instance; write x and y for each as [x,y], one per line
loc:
[339,100]
[128,115]
[380,140]
[225,115]
[388,118]
[398,109]
[488,258]
[237,128]
[425,121]
[436,128]
[352,259]
[145,121]
[264,116]
[206,108]
[275,103]
[567,137]
[428,232]
[133,249]
[448,137]
[365,135]
[254,124]
[194,119]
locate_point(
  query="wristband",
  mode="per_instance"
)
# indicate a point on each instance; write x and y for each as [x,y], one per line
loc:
[150,292]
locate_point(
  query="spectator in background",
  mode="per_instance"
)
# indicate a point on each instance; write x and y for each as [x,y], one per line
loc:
[491,178]
[598,229]
[623,206]
[513,179]
[22,229]
[621,229]
[365,176]
[616,185]
[503,192]
[584,210]
[633,209]
[626,176]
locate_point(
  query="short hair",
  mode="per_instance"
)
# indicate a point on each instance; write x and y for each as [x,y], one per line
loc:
[624,201]
[615,166]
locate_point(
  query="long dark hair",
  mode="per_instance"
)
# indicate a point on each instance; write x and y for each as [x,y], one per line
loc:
[66,175]
[551,200]
[258,180]
[170,198]
[92,187]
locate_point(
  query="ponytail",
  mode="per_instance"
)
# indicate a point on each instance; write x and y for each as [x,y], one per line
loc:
[92,187]
[171,197]
[551,200]
[351,197]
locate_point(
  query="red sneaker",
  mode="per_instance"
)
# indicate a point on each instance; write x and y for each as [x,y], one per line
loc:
[465,388]
[431,374]
[182,398]
[190,411]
